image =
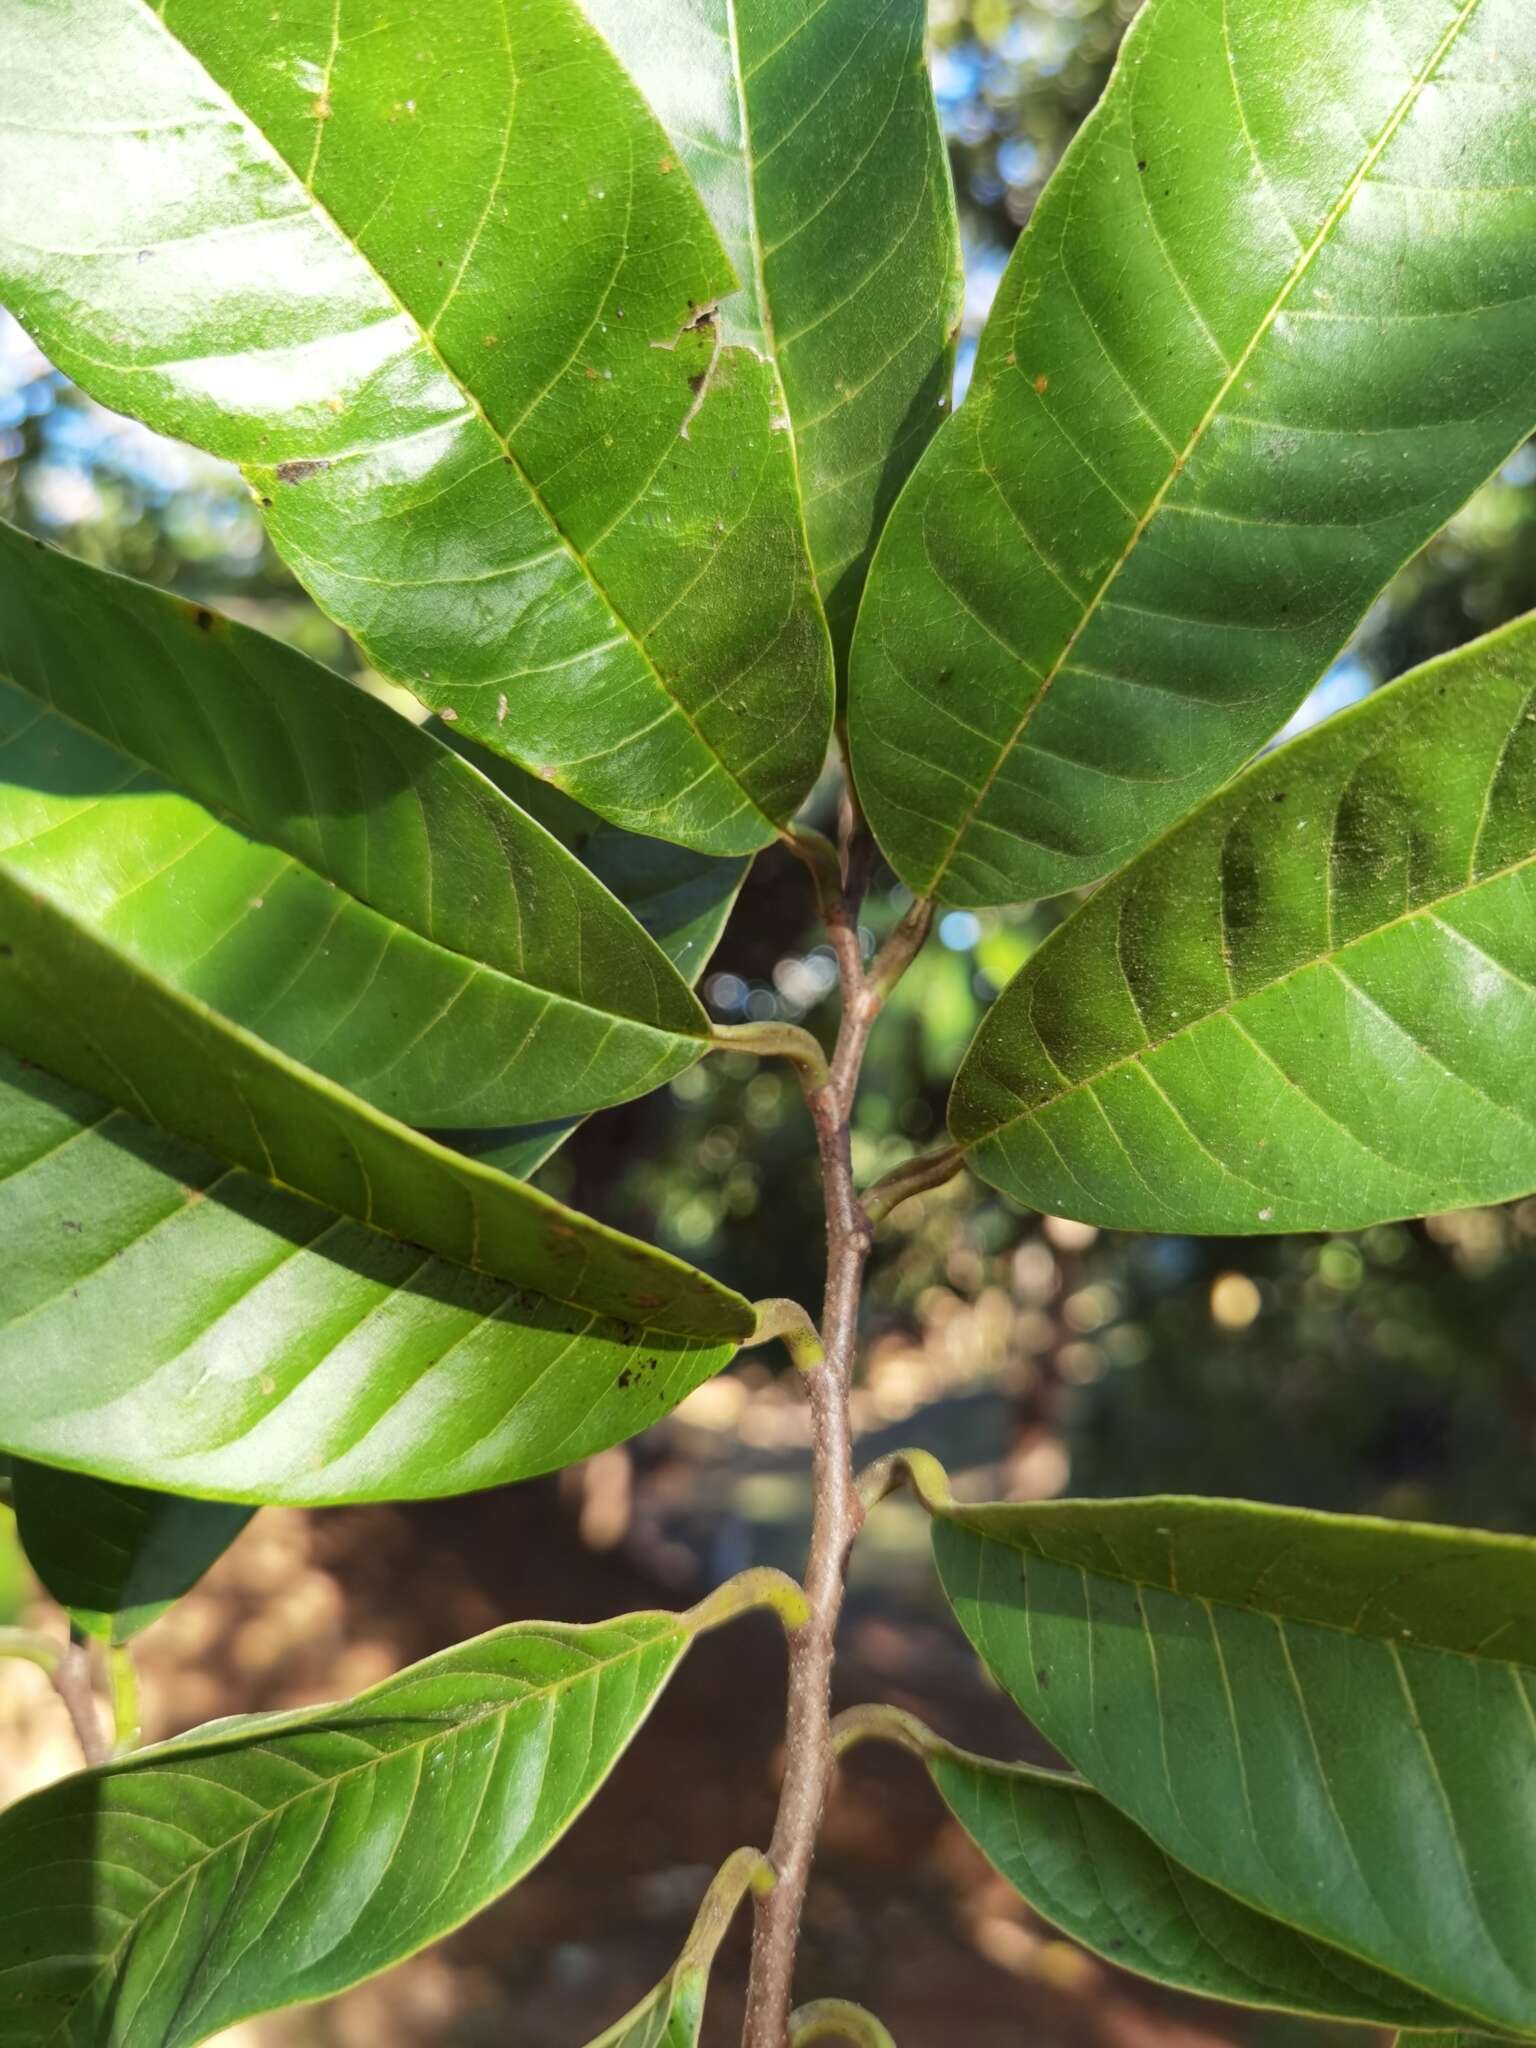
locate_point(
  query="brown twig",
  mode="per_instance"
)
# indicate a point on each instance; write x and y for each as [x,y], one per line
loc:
[836,1509]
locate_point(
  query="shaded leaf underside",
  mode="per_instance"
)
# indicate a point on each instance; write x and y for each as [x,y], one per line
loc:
[115,1556]
[1094,1874]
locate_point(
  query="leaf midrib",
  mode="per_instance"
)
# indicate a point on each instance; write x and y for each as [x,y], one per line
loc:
[1239,1606]
[1236,1002]
[327,1786]
[249,829]
[427,340]
[1297,272]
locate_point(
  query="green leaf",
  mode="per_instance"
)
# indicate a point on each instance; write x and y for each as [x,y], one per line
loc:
[680,897]
[116,1556]
[683,899]
[1089,1871]
[285,1296]
[672,2014]
[249,827]
[278,1858]
[812,136]
[1272,321]
[1312,1005]
[433,281]
[1333,1719]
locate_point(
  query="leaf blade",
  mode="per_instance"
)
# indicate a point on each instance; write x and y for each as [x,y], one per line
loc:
[1281,1701]
[287,848]
[1180,477]
[378,1825]
[116,1556]
[515,535]
[280,1350]
[1092,1873]
[1336,951]
[814,141]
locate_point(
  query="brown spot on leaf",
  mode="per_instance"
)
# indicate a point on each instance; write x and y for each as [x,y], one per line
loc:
[296,472]
[1042,382]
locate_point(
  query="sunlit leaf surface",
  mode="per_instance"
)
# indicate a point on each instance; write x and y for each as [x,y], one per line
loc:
[430,274]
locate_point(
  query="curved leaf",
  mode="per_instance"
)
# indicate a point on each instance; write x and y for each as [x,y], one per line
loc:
[116,1556]
[1091,1872]
[249,1343]
[1272,321]
[1312,1005]
[811,134]
[254,830]
[246,1343]
[283,1294]
[282,1857]
[672,2014]
[427,273]
[1333,1719]
[682,898]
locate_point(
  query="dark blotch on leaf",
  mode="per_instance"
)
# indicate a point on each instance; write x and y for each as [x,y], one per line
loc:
[296,472]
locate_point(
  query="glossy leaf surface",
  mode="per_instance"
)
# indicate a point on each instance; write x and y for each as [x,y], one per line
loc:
[1313,1004]
[1331,1719]
[248,1343]
[1272,321]
[254,830]
[283,1857]
[1091,1872]
[429,274]
[115,1556]
[812,136]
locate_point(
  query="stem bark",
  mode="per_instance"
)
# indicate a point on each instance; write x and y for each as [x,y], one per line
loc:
[837,1511]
